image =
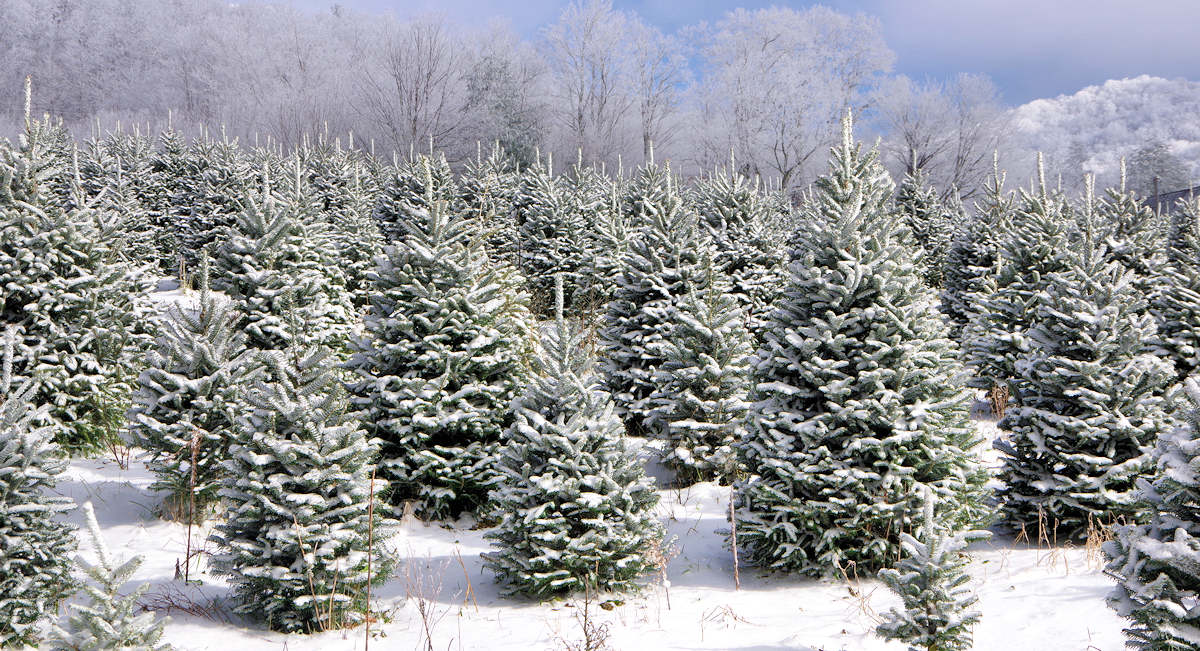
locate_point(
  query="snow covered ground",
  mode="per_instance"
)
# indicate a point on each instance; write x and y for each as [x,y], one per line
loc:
[1031,598]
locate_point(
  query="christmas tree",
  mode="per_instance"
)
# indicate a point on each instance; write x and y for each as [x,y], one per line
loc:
[487,190]
[929,222]
[1175,300]
[35,570]
[931,580]
[445,352]
[110,620]
[857,398]
[1157,565]
[412,190]
[295,543]
[577,510]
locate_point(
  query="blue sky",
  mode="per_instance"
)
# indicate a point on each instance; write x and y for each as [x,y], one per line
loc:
[1031,48]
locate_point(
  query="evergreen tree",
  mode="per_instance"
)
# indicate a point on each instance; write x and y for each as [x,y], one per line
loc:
[577,510]
[1133,236]
[412,191]
[856,397]
[1087,401]
[487,190]
[929,222]
[973,255]
[445,352]
[276,264]
[35,573]
[110,620]
[295,542]
[1157,565]
[931,580]
[701,405]
[77,304]
[554,238]
[187,401]
[215,176]
[1175,300]
[661,261]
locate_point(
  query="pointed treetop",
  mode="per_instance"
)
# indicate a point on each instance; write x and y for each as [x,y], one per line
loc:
[1041,177]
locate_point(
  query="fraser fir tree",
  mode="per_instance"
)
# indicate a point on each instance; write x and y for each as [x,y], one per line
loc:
[1175,301]
[576,508]
[856,395]
[554,238]
[1087,402]
[35,570]
[661,261]
[974,254]
[701,404]
[1157,565]
[929,222]
[294,544]
[110,620]
[445,352]
[487,190]
[410,191]
[1133,235]
[932,580]
[187,402]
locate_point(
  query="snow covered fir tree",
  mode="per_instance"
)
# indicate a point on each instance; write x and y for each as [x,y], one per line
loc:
[299,502]
[1175,301]
[1157,564]
[188,399]
[931,224]
[701,405]
[576,507]
[1087,402]
[35,567]
[110,620]
[857,397]
[446,347]
[932,579]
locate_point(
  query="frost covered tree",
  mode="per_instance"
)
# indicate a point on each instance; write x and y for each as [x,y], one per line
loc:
[294,544]
[554,237]
[187,401]
[1133,235]
[973,254]
[1157,565]
[661,261]
[445,350]
[1087,402]
[701,405]
[932,580]
[576,507]
[856,396]
[110,620]
[277,266]
[410,191]
[1175,301]
[929,222]
[487,190]
[76,302]
[35,570]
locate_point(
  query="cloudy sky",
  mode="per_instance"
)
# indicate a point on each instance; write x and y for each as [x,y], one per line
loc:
[1031,48]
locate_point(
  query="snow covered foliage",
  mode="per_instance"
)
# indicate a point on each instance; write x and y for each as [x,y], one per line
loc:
[410,191]
[110,620]
[930,223]
[294,544]
[35,570]
[662,260]
[1034,245]
[856,397]
[973,254]
[278,266]
[207,182]
[486,192]
[1087,402]
[1157,565]
[700,407]
[932,580]
[750,238]
[554,238]
[187,401]
[76,302]
[1175,301]
[1133,235]
[447,343]
[576,507]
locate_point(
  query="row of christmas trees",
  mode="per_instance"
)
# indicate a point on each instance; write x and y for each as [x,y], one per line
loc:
[852,400]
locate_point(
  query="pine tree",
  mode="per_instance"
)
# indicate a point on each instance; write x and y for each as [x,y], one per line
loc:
[974,254]
[701,405]
[411,191]
[1087,404]
[554,237]
[295,542]
[1175,300]
[77,304]
[445,352]
[35,573]
[276,264]
[661,261]
[187,401]
[931,580]
[487,190]
[856,397]
[1157,565]
[577,508]
[930,223]
[110,620]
